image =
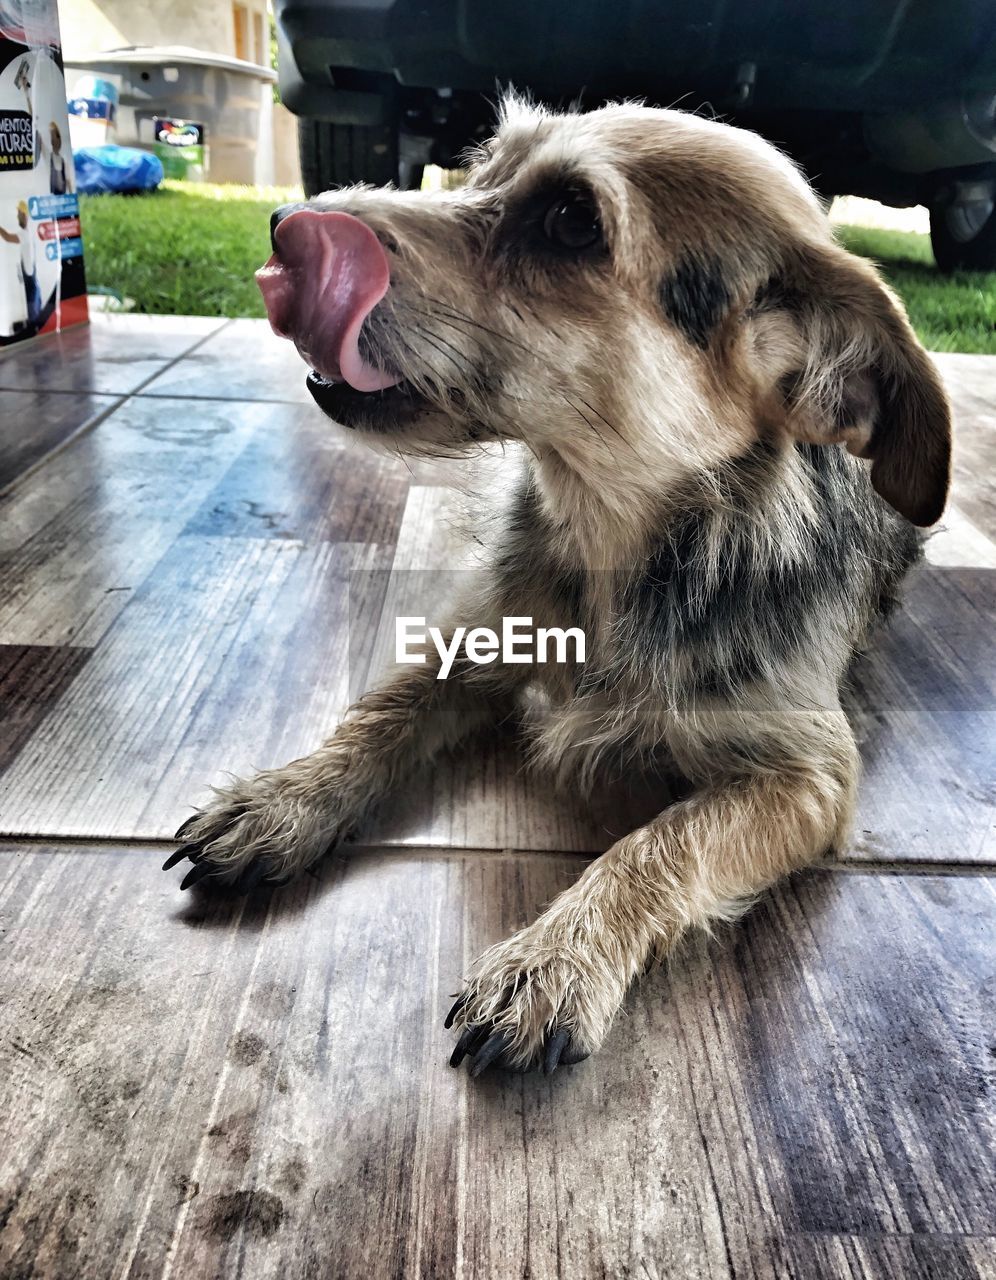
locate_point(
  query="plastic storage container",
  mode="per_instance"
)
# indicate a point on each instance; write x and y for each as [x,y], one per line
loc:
[230,98]
[92,110]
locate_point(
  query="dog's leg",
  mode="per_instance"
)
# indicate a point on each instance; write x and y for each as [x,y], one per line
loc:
[548,994]
[271,826]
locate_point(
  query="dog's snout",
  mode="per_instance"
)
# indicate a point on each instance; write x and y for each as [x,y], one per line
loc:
[278,215]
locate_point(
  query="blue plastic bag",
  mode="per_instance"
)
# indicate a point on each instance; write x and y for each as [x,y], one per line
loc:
[111,168]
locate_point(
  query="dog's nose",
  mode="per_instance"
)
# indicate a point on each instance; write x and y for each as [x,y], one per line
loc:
[278,215]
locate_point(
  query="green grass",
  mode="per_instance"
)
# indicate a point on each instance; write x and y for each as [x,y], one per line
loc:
[949,313]
[185,249]
[192,250]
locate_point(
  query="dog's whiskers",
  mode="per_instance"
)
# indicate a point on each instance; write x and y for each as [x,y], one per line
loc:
[462,366]
[454,319]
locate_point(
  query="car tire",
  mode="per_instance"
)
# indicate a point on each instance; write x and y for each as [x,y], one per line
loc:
[337,155]
[963,239]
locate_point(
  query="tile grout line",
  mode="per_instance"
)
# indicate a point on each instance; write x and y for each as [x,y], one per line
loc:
[170,395]
[156,844]
[907,867]
[93,422]
[83,429]
[135,391]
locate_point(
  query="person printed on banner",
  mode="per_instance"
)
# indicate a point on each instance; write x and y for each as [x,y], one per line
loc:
[28,265]
[25,86]
[60,170]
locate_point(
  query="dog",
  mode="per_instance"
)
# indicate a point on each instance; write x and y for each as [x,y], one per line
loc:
[730,435]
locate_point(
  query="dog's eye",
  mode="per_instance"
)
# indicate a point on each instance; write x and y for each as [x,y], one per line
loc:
[571,222]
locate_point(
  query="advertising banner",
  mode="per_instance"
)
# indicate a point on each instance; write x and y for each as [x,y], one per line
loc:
[42,286]
[180,145]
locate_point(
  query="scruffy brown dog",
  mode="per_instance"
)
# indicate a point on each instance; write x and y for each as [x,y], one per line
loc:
[655,306]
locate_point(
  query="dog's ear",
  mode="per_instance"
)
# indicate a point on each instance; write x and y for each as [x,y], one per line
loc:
[849,369]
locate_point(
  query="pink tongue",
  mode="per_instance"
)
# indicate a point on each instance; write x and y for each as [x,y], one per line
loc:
[328,274]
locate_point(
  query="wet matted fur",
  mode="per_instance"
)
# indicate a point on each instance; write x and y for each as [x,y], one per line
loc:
[729,432]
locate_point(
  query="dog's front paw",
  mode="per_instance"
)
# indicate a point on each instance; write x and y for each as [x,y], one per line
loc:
[261,831]
[534,1003]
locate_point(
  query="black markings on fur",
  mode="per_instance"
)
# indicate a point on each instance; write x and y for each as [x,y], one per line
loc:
[712,633]
[526,563]
[520,236]
[716,607]
[695,297]
[776,295]
[790,386]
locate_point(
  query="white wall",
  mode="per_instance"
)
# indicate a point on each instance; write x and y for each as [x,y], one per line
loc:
[90,26]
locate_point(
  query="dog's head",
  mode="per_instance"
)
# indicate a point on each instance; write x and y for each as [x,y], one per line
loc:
[636,294]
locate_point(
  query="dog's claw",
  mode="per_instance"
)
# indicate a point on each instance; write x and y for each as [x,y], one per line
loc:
[486,1046]
[197,872]
[555,1046]
[493,1048]
[451,1016]
[184,851]
[185,826]
[470,1039]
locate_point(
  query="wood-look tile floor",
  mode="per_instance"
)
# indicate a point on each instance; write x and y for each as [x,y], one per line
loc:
[191,579]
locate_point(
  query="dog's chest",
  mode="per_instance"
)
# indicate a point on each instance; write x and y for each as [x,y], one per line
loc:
[573,723]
